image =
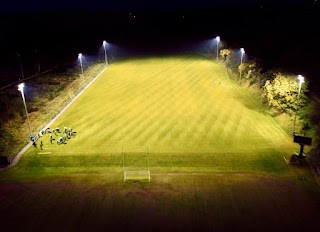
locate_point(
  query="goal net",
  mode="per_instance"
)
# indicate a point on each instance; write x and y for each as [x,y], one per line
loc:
[136,164]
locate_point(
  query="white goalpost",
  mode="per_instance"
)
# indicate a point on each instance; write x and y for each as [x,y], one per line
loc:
[136,166]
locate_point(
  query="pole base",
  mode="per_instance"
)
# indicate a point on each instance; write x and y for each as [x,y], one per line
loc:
[297,159]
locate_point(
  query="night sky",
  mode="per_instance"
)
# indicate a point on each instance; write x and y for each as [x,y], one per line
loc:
[40,5]
[281,33]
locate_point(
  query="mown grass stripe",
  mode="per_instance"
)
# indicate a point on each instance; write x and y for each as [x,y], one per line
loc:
[171,106]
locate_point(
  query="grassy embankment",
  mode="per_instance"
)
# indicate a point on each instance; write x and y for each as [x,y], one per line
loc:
[45,96]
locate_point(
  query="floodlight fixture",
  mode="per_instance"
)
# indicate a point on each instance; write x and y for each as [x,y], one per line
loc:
[20,87]
[300,78]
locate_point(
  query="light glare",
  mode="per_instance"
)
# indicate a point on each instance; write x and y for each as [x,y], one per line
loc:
[20,87]
[301,78]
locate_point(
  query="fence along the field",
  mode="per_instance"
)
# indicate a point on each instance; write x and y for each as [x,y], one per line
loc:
[136,163]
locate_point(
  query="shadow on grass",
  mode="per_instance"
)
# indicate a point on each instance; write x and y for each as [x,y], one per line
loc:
[252,102]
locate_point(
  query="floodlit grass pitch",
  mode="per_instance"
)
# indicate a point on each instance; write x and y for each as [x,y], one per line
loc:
[175,107]
[216,159]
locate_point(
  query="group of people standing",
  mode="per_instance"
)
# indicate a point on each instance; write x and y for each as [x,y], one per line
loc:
[64,134]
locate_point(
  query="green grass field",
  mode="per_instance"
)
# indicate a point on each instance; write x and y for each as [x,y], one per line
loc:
[216,156]
[171,106]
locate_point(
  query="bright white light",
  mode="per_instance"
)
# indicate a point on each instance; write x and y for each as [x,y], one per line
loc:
[218,39]
[301,78]
[20,87]
[242,50]
[104,43]
[80,55]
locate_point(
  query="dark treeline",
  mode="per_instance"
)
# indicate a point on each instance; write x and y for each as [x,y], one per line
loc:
[283,36]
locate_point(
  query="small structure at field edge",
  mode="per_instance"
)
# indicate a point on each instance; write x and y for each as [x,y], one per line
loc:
[302,140]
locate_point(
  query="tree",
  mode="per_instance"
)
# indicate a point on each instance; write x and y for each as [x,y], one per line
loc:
[252,73]
[282,93]
[224,53]
[248,69]
[230,58]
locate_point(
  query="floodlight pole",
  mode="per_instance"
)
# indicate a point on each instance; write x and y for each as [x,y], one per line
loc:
[80,59]
[20,88]
[105,52]
[301,80]
[218,40]
[242,53]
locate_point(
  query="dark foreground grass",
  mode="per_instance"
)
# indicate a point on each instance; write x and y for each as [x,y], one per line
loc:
[171,202]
